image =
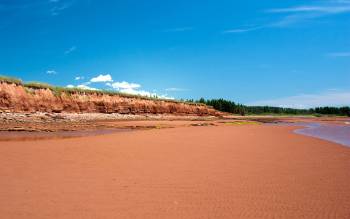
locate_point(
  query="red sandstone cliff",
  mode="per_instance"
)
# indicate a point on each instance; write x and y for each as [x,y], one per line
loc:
[16,98]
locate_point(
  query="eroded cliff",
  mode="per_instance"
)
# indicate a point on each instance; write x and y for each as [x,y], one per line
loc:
[17,98]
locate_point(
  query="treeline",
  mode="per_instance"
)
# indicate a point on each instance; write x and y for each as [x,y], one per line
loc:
[343,111]
[276,110]
[225,106]
[235,108]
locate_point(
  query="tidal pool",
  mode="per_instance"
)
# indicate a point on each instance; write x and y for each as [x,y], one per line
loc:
[25,135]
[331,132]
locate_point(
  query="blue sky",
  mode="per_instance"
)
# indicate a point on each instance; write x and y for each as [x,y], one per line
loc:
[282,53]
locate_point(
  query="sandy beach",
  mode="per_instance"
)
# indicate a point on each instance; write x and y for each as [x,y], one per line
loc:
[223,171]
[174,109]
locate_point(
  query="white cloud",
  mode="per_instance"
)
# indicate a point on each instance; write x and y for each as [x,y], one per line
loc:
[137,92]
[123,85]
[102,78]
[133,88]
[51,72]
[83,86]
[329,98]
[144,93]
[70,50]
[339,54]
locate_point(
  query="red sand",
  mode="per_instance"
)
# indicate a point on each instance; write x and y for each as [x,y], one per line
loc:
[249,171]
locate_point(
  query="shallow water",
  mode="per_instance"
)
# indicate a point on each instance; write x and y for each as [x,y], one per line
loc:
[336,133]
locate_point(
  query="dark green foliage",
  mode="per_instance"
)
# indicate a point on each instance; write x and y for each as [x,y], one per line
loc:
[225,106]
[343,111]
[337,111]
[277,110]
[232,107]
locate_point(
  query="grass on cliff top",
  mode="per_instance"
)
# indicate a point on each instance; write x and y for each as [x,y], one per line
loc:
[11,80]
[59,90]
[38,85]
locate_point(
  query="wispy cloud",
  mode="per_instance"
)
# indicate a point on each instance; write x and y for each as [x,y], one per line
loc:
[339,54]
[309,12]
[52,7]
[179,29]
[59,6]
[51,72]
[77,78]
[12,10]
[70,50]
[242,30]
[292,19]
[321,9]
[303,101]
[299,14]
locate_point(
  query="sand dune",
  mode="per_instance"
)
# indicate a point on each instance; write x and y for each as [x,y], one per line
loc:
[249,171]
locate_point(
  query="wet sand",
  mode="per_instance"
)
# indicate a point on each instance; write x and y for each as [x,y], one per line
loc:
[339,134]
[224,171]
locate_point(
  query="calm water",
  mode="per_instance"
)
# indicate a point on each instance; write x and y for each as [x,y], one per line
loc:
[335,133]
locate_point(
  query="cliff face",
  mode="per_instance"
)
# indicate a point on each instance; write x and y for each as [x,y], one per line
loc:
[16,98]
